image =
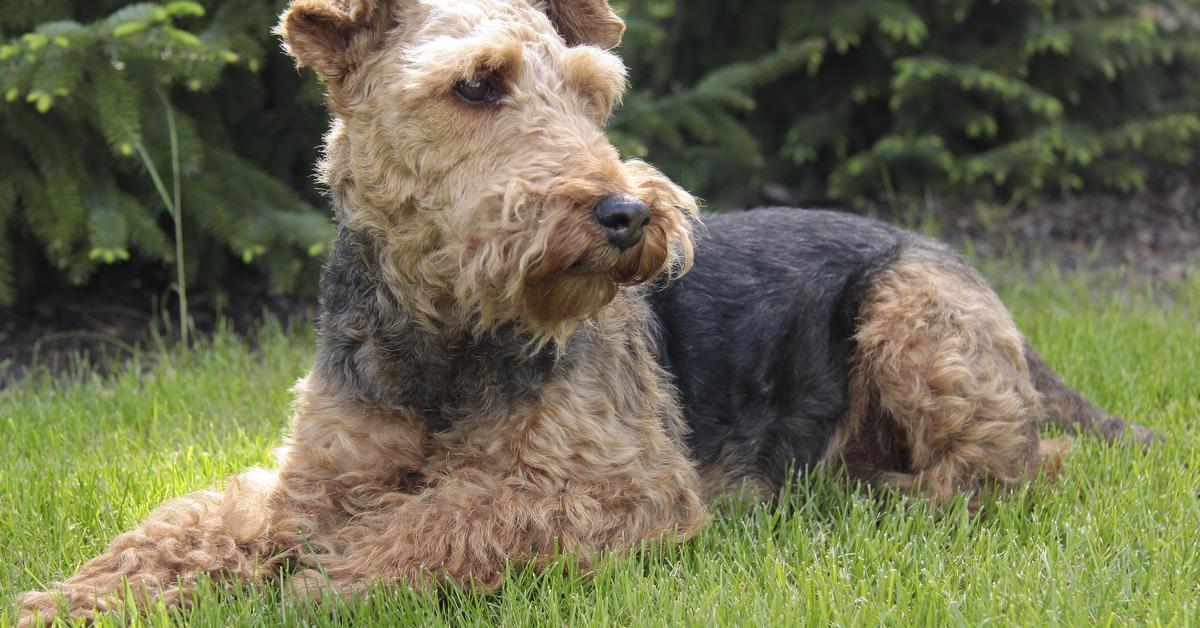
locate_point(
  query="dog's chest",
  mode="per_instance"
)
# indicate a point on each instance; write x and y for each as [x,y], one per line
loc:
[466,377]
[376,351]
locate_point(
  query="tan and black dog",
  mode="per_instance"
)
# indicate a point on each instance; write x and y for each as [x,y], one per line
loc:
[512,361]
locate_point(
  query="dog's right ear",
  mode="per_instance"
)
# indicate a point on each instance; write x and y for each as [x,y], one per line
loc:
[333,37]
[591,22]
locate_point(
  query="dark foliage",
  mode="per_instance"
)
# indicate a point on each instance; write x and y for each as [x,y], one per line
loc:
[998,100]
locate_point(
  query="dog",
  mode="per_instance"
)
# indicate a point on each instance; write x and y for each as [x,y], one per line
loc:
[528,346]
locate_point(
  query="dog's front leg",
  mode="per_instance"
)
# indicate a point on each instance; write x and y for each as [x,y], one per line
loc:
[553,475]
[340,458]
[223,534]
[466,528]
[471,523]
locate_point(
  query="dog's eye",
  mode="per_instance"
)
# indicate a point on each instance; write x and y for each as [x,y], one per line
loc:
[477,91]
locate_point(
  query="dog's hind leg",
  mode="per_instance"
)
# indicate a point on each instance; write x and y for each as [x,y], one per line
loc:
[942,399]
[1072,412]
[219,534]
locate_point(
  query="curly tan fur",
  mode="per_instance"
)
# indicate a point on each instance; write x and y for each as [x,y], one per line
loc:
[363,495]
[465,241]
[941,399]
[576,469]
[204,533]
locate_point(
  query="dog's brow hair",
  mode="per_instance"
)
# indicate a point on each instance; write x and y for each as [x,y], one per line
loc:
[586,68]
[596,75]
[447,60]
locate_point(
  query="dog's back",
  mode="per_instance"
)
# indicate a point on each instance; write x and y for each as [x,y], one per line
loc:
[758,335]
[808,335]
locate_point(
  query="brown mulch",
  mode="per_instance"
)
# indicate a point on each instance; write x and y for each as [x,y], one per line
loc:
[120,313]
[1155,234]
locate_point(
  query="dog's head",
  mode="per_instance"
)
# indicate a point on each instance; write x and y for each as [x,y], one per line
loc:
[468,142]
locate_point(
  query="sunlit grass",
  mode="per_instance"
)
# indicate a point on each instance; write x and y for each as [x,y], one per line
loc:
[1115,541]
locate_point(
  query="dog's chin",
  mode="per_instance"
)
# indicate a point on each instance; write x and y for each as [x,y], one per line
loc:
[569,296]
[568,284]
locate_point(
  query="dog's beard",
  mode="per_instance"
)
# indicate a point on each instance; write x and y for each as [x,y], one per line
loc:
[565,285]
[549,304]
[555,269]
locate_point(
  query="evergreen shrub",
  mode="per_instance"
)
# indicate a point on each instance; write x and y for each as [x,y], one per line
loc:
[857,100]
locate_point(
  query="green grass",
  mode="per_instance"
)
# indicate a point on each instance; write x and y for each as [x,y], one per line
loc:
[1117,540]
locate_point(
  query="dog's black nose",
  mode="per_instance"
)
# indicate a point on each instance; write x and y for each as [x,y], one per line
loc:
[623,218]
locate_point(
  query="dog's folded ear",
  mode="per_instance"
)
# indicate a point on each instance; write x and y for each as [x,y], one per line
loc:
[590,22]
[333,36]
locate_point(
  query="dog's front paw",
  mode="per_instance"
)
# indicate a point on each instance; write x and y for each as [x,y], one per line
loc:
[42,608]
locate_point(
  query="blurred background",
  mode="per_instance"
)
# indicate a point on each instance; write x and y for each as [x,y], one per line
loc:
[135,136]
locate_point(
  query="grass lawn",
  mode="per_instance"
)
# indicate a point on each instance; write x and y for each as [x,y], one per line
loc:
[1117,540]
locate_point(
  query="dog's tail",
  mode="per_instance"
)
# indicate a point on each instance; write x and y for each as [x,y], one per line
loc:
[1065,407]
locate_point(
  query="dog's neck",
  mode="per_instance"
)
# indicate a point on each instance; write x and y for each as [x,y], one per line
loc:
[378,352]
